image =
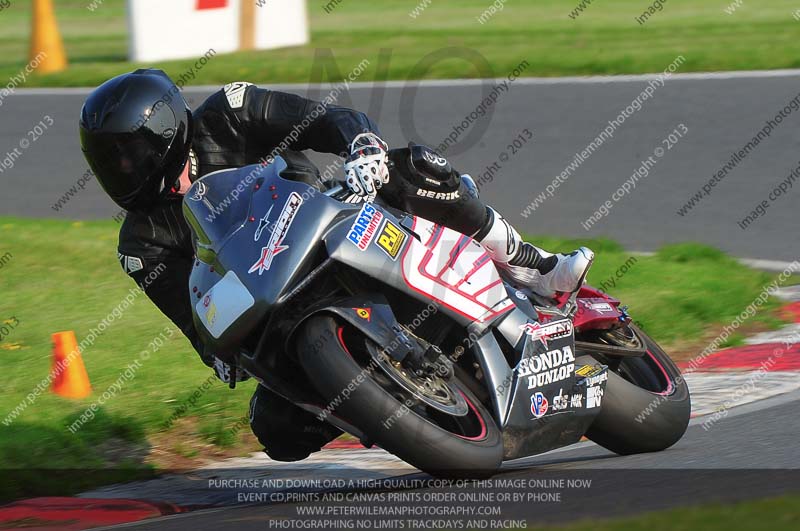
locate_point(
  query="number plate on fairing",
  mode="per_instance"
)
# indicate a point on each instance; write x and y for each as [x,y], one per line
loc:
[225,302]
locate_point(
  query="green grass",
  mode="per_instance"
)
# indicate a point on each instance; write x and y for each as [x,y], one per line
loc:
[604,39]
[773,514]
[65,276]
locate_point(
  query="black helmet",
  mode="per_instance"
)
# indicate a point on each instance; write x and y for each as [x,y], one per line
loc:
[136,132]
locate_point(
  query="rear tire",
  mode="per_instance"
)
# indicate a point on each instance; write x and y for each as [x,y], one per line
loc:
[410,436]
[633,419]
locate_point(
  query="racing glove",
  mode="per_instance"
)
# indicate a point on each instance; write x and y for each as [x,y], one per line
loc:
[366,168]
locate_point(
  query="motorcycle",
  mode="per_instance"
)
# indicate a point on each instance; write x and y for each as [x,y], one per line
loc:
[404,334]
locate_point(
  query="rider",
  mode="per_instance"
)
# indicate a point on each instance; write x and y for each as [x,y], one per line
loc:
[146,147]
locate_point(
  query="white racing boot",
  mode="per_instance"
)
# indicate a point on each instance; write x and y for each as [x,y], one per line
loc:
[543,272]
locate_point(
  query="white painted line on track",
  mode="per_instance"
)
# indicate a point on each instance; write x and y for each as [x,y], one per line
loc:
[789,293]
[788,335]
[721,390]
[758,405]
[777,266]
[766,265]
[449,83]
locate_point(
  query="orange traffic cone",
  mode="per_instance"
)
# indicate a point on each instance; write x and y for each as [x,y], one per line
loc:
[69,374]
[47,49]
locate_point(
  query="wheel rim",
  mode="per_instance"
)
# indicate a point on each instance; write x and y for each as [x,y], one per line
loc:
[646,372]
[470,426]
[622,337]
[430,388]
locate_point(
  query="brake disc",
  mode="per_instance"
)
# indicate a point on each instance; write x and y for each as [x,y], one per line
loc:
[431,389]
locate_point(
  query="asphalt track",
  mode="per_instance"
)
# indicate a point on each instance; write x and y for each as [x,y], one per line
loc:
[721,112]
[748,455]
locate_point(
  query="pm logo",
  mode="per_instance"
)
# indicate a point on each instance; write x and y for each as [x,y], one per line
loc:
[538,405]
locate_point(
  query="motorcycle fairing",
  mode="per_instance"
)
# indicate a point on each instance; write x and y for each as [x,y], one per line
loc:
[454,270]
[373,317]
[549,408]
[426,261]
[269,233]
[596,309]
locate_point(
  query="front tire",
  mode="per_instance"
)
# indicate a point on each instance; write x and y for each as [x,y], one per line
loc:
[338,363]
[646,405]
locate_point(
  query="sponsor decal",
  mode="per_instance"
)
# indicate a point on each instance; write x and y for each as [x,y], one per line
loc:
[365,226]
[470,286]
[560,401]
[601,307]
[442,196]
[552,366]
[391,239]
[433,158]
[281,227]
[194,165]
[520,295]
[130,264]
[354,199]
[199,192]
[563,401]
[576,401]
[263,223]
[589,370]
[594,396]
[544,332]
[206,301]
[596,380]
[538,405]
[364,313]
[211,314]
[434,182]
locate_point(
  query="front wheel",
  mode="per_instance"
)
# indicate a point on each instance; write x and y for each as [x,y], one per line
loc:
[646,405]
[335,358]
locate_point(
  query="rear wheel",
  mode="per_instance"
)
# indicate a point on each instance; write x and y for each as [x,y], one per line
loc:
[646,405]
[416,427]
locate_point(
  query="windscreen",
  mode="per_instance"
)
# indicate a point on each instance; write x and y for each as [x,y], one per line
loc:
[219,203]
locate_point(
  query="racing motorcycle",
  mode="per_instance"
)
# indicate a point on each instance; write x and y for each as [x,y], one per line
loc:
[404,334]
